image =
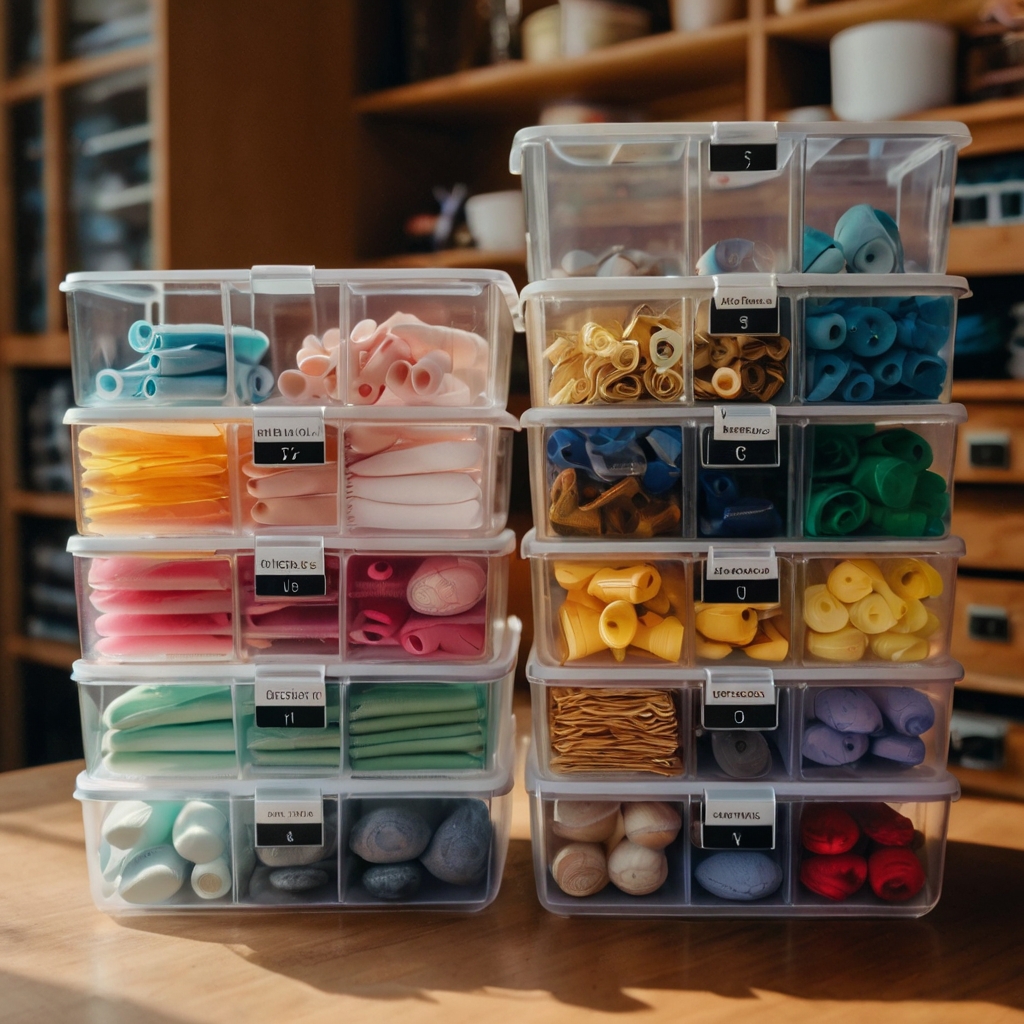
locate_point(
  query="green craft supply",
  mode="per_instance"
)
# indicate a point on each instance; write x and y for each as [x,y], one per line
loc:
[835,510]
[388,699]
[371,725]
[902,444]
[296,758]
[293,739]
[157,704]
[199,736]
[886,480]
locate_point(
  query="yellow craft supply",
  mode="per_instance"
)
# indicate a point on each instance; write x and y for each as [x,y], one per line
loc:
[872,614]
[879,585]
[823,611]
[581,630]
[930,626]
[711,650]
[618,624]
[899,647]
[849,583]
[768,645]
[636,584]
[663,639]
[915,620]
[846,644]
[908,580]
[734,624]
[659,603]
[573,575]
[580,596]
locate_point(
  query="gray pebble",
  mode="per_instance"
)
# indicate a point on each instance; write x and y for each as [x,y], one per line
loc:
[908,750]
[263,890]
[389,835]
[739,875]
[297,879]
[461,846]
[823,745]
[741,755]
[393,881]
[578,261]
[848,710]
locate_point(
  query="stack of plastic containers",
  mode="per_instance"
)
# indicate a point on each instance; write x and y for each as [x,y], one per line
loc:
[292,488]
[741,455]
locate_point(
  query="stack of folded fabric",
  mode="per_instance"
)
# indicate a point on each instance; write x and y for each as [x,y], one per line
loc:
[292,585]
[740,340]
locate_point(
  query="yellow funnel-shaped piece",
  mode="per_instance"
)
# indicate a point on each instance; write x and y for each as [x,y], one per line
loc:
[635,584]
[664,640]
[573,575]
[734,624]
[581,629]
[618,624]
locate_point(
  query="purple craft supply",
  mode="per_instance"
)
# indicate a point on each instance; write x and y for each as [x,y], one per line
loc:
[908,750]
[824,745]
[907,710]
[847,710]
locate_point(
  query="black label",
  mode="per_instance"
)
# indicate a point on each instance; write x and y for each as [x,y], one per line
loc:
[272,716]
[741,716]
[271,585]
[989,454]
[993,628]
[750,156]
[281,834]
[743,320]
[719,454]
[288,453]
[737,837]
[740,591]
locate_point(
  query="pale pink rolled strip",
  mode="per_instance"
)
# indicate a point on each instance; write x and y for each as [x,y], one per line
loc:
[313,622]
[466,348]
[420,379]
[297,386]
[131,572]
[446,585]
[371,439]
[416,489]
[290,482]
[306,510]
[464,515]
[369,381]
[159,648]
[379,623]
[462,635]
[441,457]
[161,602]
[121,624]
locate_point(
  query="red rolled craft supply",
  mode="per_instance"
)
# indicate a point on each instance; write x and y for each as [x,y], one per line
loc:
[826,828]
[837,876]
[895,874]
[884,824]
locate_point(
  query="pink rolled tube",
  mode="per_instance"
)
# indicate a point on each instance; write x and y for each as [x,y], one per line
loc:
[369,382]
[159,648]
[307,622]
[465,348]
[131,572]
[293,481]
[439,457]
[121,624]
[378,623]
[446,585]
[416,489]
[306,510]
[380,515]
[162,602]
[460,635]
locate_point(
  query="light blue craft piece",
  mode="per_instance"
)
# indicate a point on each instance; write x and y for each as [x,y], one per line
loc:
[666,443]
[869,331]
[185,362]
[826,373]
[858,385]
[870,241]
[825,331]
[567,449]
[608,440]
[742,875]
[925,373]
[821,254]
[254,384]
[736,255]
[249,345]
[888,368]
[113,384]
[194,389]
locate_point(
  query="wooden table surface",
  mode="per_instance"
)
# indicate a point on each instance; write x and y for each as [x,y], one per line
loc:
[62,960]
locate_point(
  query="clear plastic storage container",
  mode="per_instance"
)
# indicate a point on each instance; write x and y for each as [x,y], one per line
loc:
[176,472]
[202,599]
[613,200]
[664,605]
[271,721]
[788,849]
[837,473]
[300,845]
[739,723]
[291,335]
[786,340]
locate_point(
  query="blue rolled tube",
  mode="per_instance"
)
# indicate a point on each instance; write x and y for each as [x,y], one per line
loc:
[114,384]
[567,449]
[925,373]
[719,490]
[185,389]
[608,440]
[666,443]
[826,373]
[825,331]
[858,385]
[888,368]
[869,331]
[821,254]
[255,383]
[869,240]
[184,362]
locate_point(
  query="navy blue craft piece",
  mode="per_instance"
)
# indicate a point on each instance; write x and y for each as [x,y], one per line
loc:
[726,512]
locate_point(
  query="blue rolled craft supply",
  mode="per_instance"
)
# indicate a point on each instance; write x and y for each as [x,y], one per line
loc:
[870,241]
[111,384]
[198,388]
[869,331]
[821,254]
[626,460]
[249,345]
[608,440]
[734,255]
[825,331]
[887,369]
[926,374]
[184,362]
[254,384]
[827,372]
[567,449]
[666,443]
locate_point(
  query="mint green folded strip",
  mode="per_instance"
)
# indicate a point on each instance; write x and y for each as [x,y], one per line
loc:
[434,732]
[296,758]
[201,736]
[392,722]
[143,706]
[412,762]
[458,744]
[133,763]
[388,699]
[293,739]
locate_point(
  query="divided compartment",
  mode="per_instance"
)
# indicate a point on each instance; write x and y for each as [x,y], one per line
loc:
[183,472]
[194,600]
[614,199]
[424,338]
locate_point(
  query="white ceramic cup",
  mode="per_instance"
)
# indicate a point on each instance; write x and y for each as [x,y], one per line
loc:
[886,69]
[693,15]
[496,220]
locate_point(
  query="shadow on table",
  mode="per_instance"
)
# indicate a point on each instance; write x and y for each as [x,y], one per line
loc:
[966,950]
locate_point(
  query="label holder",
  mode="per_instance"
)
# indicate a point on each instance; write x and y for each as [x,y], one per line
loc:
[293,699]
[744,304]
[288,437]
[289,567]
[738,819]
[739,699]
[292,817]
[742,436]
[741,577]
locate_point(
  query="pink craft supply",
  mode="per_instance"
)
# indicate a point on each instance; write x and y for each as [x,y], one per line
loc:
[461,635]
[436,457]
[372,373]
[366,579]
[362,513]
[121,624]
[369,440]
[379,624]
[132,572]
[289,482]
[416,488]
[446,585]
[465,348]
[155,648]
[162,602]
[304,510]
[308,622]
[380,571]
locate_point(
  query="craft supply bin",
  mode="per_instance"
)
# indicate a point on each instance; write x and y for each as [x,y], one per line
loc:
[848,338]
[738,723]
[668,870]
[640,199]
[646,597]
[199,600]
[274,333]
[152,876]
[833,472]
[148,721]
[175,472]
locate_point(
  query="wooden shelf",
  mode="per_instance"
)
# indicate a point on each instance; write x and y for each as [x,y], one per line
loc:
[995,783]
[45,652]
[988,390]
[1003,685]
[996,125]
[631,72]
[40,503]
[819,23]
[72,72]
[513,263]
[51,350]
[976,251]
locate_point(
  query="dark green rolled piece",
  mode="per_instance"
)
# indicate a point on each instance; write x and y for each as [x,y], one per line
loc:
[835,510]
[835,453]
[901,444]
[886,480]
[898,522]
[931,495]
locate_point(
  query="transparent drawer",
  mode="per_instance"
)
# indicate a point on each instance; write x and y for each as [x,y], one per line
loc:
[612,200]
[435,721]
[312,847]
[291,335]
[663,604]
[836,474]
[202,600]
[787,339]
[181,472]
[723,724]
[867,849]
